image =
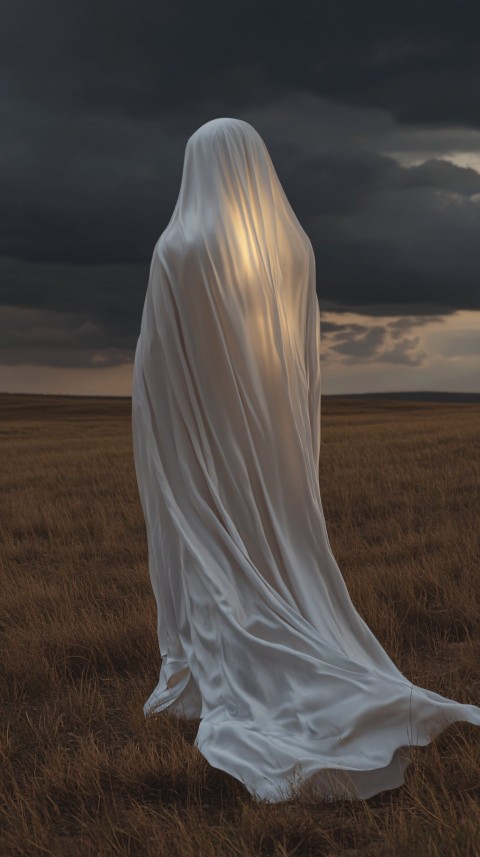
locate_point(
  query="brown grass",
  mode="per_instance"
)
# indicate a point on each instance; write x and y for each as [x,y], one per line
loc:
[83,772]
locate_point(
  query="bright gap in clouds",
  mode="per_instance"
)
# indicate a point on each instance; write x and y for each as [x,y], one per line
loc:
[468,160]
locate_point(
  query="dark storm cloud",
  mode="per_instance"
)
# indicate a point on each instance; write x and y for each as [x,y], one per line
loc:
[400,326]
[369,344]
[405,351]
[99,98]
[385,234]
[365,345]
[385,343]
[418,60]
[110,296]
[340,332]
[56,339]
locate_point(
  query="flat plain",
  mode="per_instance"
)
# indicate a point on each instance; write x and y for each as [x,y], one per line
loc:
[83,773]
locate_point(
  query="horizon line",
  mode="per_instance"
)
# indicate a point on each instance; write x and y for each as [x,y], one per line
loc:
[323,395]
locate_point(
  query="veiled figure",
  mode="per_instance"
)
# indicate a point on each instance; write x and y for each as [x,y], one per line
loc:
[256,629]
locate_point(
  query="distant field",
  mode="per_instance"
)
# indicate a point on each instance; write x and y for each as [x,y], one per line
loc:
[83,772]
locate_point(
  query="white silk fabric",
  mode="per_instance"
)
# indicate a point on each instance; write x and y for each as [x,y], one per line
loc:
[257,633]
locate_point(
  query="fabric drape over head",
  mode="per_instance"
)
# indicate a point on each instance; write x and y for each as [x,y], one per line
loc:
[256,629]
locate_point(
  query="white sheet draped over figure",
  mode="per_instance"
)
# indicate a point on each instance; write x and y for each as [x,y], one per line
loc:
[257,632]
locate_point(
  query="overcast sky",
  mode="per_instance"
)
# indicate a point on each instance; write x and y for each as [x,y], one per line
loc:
[370,112]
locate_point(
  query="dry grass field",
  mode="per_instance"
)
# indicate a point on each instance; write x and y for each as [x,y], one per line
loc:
[82,771]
